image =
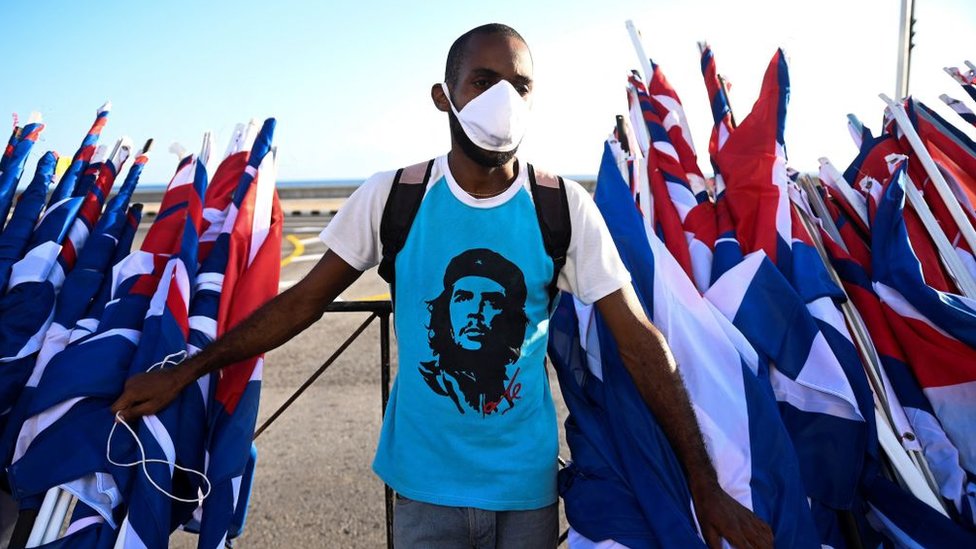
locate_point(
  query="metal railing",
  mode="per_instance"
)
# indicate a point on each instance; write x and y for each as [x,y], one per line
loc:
[379,310]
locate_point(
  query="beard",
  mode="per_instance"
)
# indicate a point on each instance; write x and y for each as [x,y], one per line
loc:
[481,374]
[482,157]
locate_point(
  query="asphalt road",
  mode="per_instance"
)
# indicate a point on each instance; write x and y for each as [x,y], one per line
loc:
[313,485]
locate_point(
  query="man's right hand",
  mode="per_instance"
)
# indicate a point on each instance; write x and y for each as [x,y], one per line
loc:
[146,394]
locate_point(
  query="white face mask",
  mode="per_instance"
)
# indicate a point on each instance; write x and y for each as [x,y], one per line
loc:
[496,120]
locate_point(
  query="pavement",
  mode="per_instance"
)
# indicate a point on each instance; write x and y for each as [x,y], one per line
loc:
[313,485]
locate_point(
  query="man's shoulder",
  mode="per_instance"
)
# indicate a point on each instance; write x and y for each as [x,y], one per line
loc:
[575,191]
[544,176]
[411,173]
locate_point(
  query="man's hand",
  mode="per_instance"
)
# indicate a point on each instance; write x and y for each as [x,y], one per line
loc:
[146,394]
[721,516]
[273,324]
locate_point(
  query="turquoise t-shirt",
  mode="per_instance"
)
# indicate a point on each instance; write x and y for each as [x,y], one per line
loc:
[470,420]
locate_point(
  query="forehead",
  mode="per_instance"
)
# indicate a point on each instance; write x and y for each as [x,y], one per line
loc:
[505,55]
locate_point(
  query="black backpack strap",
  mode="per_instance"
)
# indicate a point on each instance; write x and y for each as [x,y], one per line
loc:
[552,209]
[401,207]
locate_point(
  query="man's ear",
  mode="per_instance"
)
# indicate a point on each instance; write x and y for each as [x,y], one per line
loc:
[440,98]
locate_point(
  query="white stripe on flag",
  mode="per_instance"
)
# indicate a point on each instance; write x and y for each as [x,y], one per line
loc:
[35,265]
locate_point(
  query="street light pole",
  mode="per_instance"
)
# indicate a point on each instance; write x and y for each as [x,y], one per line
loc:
[906,33]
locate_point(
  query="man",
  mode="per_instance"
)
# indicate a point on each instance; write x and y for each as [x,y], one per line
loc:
[477,479]
[476,328]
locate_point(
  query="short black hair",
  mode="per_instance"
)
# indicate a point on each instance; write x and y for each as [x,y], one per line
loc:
[455,56]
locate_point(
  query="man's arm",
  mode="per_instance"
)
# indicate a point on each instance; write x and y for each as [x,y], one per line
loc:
[646,356]
[276,322]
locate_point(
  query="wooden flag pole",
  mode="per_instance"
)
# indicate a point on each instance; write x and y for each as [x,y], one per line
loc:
[645,61]
[843,187]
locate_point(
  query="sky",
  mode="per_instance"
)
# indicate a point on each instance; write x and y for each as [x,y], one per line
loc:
[349,83]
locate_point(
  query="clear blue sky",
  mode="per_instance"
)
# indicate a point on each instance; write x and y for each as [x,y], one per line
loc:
[349,81]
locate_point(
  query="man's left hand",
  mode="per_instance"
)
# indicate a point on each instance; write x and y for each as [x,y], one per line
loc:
[720,516]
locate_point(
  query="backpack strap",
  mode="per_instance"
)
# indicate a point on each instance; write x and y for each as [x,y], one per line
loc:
[402,205]
[552,210]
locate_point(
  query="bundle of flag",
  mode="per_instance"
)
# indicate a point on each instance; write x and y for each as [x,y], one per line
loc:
[828,353]
[82,313]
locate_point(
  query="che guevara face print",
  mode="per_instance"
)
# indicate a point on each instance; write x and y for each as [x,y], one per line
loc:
[475,331]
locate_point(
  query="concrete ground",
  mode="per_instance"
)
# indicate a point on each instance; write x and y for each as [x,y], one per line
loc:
[313,485]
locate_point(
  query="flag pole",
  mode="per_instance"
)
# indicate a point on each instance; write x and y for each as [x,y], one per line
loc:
[645,61]
[43,517]
[951,261]
[959,216]
[837,182]
[57,517]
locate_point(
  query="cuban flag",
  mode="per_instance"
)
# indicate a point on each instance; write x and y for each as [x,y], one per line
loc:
[252,243]
[80,287]
[217,202]
[674,157]
[225,194]
[912,415]
[94,187]
[86,279]
[965,79]
[12,165]
[699,221]
[753,165]
[907,522]
[17,233]
[917,312]
[736,410]
[89,322]
[727,251]
[70,413]
[666,102]
[953,151]
[28,305]
[175,435]
[718,98]
[38,315]
[671,194]
[66,185]
[602,487]
[866,173]
[815,370]
[955,155]
[960,108]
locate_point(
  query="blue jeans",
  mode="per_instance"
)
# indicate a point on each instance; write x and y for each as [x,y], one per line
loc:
[418,525]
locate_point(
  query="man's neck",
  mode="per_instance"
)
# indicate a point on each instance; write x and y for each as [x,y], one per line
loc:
[479,180]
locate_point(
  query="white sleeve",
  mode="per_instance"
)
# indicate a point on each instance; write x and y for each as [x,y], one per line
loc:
[354,232]
[593,267]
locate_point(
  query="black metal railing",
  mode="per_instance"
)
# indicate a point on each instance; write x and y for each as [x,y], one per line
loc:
[379,310]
